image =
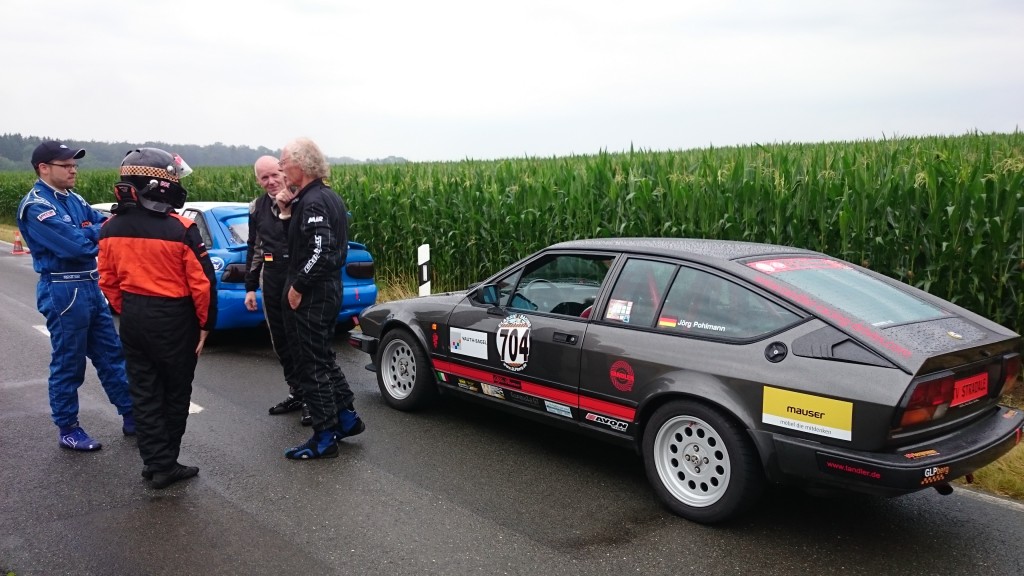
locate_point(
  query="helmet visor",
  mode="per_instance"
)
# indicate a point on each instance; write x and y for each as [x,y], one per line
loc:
[181,168]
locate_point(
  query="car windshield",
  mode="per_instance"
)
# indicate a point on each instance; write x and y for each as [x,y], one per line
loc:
[237,228]
[845,288]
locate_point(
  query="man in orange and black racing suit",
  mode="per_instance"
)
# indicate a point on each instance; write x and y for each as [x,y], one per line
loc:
[156,272]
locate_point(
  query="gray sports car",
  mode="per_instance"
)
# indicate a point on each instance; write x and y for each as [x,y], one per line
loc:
[727,365]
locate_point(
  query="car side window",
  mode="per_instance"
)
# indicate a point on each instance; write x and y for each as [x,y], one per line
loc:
[638,292]
[702,304]
[560,284]
[204,232]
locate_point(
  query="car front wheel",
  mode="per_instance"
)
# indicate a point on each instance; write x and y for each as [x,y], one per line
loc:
[403,371]
[702,464]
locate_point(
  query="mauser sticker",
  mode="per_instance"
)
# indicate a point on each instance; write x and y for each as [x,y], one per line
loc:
[808,413]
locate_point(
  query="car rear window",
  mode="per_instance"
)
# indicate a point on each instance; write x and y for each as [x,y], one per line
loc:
[237,229]
[845,288]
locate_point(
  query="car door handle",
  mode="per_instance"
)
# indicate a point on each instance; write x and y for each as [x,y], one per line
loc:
[565,338]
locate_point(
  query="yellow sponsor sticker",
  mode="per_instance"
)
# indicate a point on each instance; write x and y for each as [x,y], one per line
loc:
[808,413]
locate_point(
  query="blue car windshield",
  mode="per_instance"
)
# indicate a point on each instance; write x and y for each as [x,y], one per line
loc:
[843,287]
[237,229]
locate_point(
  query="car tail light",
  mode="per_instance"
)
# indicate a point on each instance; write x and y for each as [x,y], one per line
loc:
[929,400]
[233,273]
[1011,372]
[361,270]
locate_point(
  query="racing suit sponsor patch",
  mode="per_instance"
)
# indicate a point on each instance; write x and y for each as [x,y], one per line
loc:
[46,215]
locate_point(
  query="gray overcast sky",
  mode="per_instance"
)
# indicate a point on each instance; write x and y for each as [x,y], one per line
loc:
[483,79]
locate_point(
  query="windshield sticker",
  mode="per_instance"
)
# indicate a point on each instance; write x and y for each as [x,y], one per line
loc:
[619,310]
[559,409]
[468,343]
[808,413]
[513,342]
[794,264]
[621,374]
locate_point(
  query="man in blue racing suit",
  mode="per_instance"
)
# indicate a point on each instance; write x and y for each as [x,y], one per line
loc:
[62,232]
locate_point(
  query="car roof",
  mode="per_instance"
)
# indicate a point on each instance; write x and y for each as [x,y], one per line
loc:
[200,206]
[692,248]
[209,205]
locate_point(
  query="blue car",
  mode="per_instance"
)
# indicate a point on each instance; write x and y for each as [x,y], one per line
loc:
[224,227]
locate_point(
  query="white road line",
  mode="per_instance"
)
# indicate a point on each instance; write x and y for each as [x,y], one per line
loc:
[43,330]
[971,493]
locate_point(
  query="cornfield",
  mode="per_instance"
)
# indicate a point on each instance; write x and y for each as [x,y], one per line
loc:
[944,214]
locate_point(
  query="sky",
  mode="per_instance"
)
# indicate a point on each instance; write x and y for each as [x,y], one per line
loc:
[449,80]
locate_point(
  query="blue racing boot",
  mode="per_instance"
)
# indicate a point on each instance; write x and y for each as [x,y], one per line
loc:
[323,444]
[129,424]
[74,438]
[349,423]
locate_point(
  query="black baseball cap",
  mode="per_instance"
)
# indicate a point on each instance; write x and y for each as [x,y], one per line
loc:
[51,150]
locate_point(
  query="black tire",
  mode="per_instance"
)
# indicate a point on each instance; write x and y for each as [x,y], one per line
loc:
[701,464]
[403,372]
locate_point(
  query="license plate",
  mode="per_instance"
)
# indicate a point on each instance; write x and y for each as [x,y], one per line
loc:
[969,389]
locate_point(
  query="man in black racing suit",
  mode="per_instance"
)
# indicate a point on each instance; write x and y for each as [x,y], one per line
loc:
[267,265]
[317,247]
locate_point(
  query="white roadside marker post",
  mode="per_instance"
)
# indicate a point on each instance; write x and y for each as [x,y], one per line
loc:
[423,262]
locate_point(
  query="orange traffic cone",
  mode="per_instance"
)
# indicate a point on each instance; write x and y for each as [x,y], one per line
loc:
[18,247]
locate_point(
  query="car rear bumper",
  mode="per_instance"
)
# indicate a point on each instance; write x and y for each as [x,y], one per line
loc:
[363,342]
[899,472]
[232,313]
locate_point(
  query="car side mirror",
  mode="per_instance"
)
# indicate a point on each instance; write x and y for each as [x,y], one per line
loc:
[486,294]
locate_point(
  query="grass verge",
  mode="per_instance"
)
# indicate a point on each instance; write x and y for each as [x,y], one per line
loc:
[7,229]
[1005,477]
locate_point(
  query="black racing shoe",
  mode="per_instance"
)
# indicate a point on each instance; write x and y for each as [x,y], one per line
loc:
[177,472]
[307,418]
[147,472]
[289,404]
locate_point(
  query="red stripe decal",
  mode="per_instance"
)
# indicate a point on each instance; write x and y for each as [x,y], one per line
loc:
[575,400]
[607,408]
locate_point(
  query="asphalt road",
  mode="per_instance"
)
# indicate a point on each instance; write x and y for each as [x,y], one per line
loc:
[454,490]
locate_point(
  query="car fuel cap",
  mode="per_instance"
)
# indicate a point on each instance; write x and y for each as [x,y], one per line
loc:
[775,352]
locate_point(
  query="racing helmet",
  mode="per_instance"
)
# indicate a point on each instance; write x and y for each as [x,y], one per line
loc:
[151,178]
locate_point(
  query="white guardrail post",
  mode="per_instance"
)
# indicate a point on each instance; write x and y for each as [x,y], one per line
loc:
[423,262]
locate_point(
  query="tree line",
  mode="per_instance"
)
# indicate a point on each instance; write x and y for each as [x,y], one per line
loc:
[16,153]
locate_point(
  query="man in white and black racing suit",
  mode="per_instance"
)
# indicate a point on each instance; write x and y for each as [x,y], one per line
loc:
[317,247]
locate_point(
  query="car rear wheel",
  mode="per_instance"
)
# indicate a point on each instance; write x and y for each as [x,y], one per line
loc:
[702,464]
[403,371]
